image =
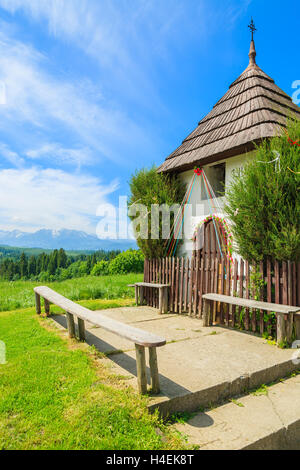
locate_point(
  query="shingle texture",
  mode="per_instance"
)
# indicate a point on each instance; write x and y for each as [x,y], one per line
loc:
[254,108]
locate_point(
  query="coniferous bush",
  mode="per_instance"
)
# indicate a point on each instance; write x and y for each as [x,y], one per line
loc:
[148,187]
[263,200]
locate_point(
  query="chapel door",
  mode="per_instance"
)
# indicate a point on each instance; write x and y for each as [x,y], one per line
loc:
[213,244]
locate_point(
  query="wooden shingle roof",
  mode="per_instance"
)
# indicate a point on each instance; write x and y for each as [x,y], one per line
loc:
[254,108]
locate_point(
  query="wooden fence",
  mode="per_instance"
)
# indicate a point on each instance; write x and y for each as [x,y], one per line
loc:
[276,282]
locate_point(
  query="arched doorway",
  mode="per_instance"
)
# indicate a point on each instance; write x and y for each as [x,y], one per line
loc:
[211,239]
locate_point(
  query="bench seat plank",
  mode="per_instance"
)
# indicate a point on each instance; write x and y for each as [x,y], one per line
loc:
[148,284]
[285,309]
[137,336]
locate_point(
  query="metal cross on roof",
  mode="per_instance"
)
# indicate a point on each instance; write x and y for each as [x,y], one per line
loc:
[252,28]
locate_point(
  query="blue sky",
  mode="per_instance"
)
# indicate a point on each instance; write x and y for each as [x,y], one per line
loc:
[95,89]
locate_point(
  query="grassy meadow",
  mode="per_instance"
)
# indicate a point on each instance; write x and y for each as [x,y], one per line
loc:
[56,393]
[19,294]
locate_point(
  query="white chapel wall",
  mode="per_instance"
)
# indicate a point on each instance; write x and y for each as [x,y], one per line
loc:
[199,208]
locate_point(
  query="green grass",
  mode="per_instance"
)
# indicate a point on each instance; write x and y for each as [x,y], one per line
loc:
[19,294]
[56,394]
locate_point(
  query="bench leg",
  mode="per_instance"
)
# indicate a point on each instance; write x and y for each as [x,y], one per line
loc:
[141,369]
[206,313]
[81,329]
[38,304]
[47,307]
[136,295]
[161,300]
[284,328]
[297,326]
[154,371]
[71,325]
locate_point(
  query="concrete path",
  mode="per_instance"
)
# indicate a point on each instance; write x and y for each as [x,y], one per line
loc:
[199,366]
[269,421]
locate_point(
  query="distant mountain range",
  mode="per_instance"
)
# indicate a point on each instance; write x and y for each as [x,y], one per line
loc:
[67,239]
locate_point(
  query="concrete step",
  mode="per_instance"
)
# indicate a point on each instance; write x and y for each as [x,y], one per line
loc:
[268,419]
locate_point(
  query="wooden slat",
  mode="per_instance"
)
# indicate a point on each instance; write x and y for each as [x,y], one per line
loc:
[253,294]
[247,313]
[269,292]
[201,287]
[269,281]
[261,297]
[289,283]
[216,279]
[173,285]
[222,321]
[228,279]
[156,281]
[137,336]
[234,289]
[149,284]
[181,285]
[191,286]
[294,284]
[298,283]
[170,281]
[241,288]
[284,284]
[257,304]
[196,281]
[277,282]
[186,284]
[177,285]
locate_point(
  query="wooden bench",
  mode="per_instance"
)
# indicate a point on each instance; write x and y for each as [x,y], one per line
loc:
[285,313]
[163,294]
[140,338]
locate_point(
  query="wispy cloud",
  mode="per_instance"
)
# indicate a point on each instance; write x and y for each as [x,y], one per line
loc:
[127,37]
[55,153]
[110,111]
[36,98]
[12,157]
[35,198]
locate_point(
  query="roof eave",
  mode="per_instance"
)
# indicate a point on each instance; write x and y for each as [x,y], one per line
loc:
[233,152]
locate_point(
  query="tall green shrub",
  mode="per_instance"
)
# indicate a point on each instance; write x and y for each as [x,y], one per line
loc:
[263,200]
[151,188]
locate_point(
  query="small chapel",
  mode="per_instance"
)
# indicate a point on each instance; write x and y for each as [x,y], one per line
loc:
[253,109]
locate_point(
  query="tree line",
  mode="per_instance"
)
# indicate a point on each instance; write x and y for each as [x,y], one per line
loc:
[56,265]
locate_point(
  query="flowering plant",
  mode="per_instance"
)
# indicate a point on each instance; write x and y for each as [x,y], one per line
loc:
[198,171]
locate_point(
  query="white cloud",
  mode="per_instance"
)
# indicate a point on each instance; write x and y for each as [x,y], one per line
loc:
[58,154]
[34,198]
[127,37]
[123,37]
[10,156]
[35,98]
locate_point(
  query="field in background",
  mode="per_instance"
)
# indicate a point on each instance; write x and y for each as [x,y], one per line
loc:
[19,294]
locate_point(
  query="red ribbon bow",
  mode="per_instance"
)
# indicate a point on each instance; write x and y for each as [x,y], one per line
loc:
[198,171]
